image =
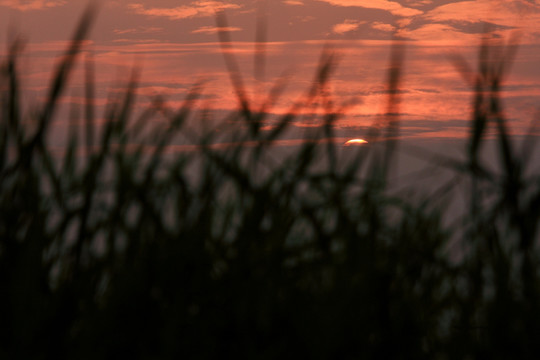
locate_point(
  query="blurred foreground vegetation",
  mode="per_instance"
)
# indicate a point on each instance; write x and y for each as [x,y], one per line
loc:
[119,249]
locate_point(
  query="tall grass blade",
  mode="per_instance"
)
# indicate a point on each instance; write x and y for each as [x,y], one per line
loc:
[260,42]
[63,71]
[14,96]
[89,104]
[234,71]
[392,112]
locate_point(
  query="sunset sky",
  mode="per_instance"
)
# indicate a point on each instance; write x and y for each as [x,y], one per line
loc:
[175,43]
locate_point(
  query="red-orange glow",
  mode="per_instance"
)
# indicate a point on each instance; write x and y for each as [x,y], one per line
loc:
[175,45]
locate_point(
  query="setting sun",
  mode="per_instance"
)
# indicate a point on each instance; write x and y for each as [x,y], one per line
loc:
[355,142]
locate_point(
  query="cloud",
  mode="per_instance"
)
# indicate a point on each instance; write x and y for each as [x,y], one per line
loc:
[210,30]
[195,9]
[502,12]
[301,19]
[139,30]
[383,27]
[23,5]
[440,34]
[137,41]
[463,11]
[391,6]
[502,15]
[346,26]
[418,2]
[293,2]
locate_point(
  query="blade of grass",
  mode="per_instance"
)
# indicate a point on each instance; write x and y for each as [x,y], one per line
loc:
[392,114]
[260,43]
[234,72]
[13,115]
[90,103]
[63,71]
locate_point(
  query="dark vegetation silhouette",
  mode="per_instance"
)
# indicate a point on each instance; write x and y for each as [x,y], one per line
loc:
[119,250]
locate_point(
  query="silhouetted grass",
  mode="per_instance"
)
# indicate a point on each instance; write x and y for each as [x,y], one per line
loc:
[232,253]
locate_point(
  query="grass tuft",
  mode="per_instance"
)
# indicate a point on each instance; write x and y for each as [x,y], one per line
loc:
[240,251]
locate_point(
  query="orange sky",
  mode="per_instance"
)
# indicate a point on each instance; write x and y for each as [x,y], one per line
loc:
[176,44]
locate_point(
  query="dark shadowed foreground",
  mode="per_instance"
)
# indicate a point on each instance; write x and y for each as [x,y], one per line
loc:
[118,248]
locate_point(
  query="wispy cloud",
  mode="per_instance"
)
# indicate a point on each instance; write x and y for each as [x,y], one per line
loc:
[210,30]
[418,2]
[383,27]
[301,19]
[293,2]
[195,9]
[139,30]
[441,34]
[504,12]
[390,6]
[454,21]
[31,4]
[346,26]
[137,41]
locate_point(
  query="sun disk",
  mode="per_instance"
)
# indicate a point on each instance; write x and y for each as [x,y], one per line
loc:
[355,142]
